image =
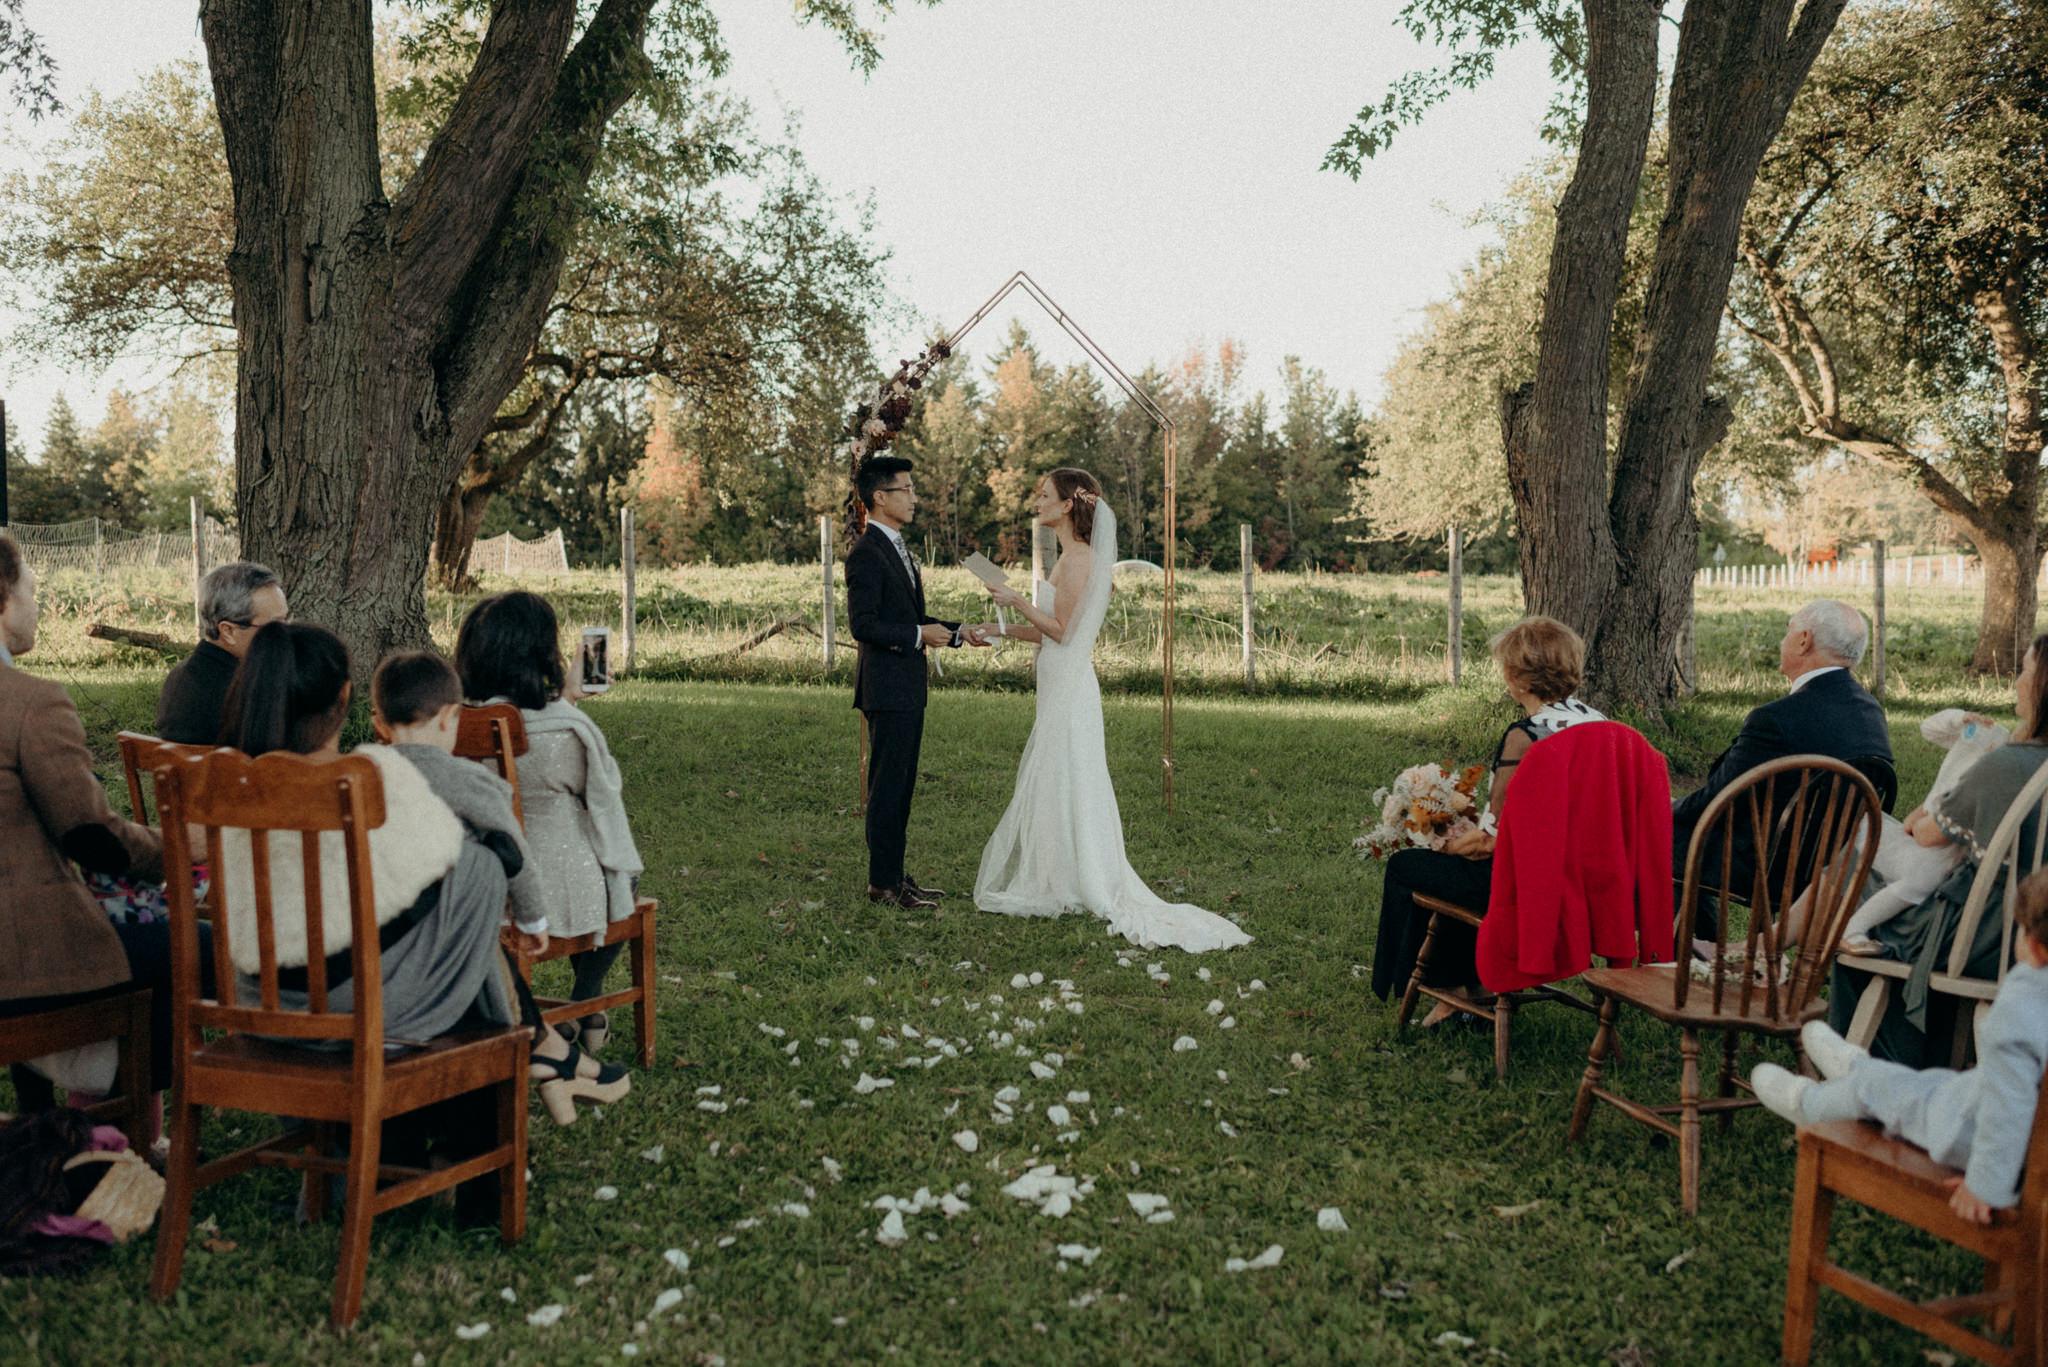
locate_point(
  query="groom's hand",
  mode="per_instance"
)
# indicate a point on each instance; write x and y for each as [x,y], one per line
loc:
[935,634]
[976,634]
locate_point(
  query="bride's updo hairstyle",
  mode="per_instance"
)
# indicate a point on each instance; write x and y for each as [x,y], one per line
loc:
[1548,657]
[1080,486]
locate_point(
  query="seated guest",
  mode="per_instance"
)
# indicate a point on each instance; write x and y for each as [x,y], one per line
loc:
[57,946]
[509,650]
[1824,712]
[1543,662]
[234,600]
[1924,935]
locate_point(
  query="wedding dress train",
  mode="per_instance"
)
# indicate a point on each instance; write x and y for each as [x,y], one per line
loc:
[1060,846]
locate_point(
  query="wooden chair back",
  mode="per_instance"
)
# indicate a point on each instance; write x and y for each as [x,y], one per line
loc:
[1882,775]
[140,754]
[494,734]
[2014,851]
[1816,808]
[224,792]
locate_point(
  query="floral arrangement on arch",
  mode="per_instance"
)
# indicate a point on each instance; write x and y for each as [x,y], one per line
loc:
[876,422]
[1426,807]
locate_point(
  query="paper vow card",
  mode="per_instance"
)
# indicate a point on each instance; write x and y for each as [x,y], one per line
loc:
[984,569]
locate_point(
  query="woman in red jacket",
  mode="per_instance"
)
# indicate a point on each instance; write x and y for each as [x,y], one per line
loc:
[1543,662]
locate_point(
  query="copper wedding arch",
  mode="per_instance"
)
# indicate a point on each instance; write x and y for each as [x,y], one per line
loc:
[1166,426]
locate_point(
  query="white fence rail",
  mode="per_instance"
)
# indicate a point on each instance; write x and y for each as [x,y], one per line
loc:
[1958,573]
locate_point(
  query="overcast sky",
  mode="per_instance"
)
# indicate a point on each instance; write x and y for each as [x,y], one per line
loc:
[1153,165]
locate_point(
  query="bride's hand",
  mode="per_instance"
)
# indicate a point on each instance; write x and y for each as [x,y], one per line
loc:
[1007,597]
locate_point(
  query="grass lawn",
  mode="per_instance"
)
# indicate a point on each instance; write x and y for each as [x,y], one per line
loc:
[1469,1219]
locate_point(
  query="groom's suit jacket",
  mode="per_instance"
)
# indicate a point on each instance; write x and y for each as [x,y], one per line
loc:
[885,603]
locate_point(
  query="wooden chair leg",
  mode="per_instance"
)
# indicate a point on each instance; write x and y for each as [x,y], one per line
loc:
[1689,1120]
[359,1206]
[1870,1009]
[1725,1084]
[1813,1209]
[643,981]
[135,1077]
[1596,1060]
[175,1223]
[512,1179]
[1414,991]
[1503,1025]
[316,1186]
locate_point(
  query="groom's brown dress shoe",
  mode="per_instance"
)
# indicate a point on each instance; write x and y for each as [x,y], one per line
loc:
[901,895]
[930,894]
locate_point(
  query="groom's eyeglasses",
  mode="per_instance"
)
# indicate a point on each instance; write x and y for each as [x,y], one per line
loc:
[895,489]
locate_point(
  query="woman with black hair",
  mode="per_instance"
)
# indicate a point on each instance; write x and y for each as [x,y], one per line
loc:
[509,650]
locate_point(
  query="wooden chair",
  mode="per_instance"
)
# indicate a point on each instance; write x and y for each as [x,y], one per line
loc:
[1501,1010]
[495,734]
[122,1016]
[1853,1158]
[2003,855]
[253,1068]
[1756,994]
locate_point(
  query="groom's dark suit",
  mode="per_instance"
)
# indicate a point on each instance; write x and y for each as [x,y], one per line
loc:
[885,601]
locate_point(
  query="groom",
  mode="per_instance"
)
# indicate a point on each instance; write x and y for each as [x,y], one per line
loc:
[885,600]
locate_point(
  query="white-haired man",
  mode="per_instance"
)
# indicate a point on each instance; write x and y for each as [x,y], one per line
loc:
[1825,712]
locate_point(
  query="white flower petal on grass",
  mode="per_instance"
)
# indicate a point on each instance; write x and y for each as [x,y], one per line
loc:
[1451,1338]
[1145,1202]
[1331,1220]
[605,1194]
[677,1259]
[1215,1006]
[1257,986]
[968,1141]
[1042,1072]
[1122,962]
[1020,980]
[728,1241]
[1057,1205]
[892,1234]
[1270,1258]
[1202,973]
[709,1091]
[1009,1095]
[629,1350]
[1229,1130]
[1159,1217]
[1058,1115]
[1679,1261]
[910,1031]
[666,1300]
[1228,1022]
[715,1107]
[868,1085]
[831,1167]
[952,1205]
[1080,1253]
[791,1047]
[772,1031]
[508,1295]
[1185,1043]
[472,1331]
[1077,1098]
[796,1210]
[655,1154]
[547,1315]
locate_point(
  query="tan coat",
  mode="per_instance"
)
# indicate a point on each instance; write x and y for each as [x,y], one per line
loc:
[54,939]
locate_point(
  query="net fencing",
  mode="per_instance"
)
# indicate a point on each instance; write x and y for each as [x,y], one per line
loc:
[507,554]
[96,547]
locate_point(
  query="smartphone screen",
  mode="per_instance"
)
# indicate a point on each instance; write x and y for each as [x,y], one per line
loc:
[594,660]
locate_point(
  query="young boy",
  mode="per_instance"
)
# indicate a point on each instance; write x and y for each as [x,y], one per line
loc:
[1980,1120]
[415,702]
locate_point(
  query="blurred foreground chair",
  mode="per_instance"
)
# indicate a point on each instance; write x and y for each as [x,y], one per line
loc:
[1556,903]
[1750,988]
[350,1086]
[495,734]
[1854,1159]
[122,1017]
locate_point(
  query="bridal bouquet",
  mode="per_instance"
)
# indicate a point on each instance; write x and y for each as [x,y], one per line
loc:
[1426,806]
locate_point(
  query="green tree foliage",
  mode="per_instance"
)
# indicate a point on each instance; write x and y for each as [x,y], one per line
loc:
[1893,301]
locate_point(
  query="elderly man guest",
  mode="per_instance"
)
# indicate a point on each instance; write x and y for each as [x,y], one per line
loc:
[234,600]
[1825,712]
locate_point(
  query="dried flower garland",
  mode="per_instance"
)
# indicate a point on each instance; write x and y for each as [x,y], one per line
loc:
[875,423]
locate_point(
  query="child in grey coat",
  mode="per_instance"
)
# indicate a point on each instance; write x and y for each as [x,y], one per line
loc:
[1980,1120]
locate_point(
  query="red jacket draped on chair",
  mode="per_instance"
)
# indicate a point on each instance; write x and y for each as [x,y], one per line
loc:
[1582,865]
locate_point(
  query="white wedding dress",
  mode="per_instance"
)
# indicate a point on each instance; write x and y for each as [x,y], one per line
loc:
[1060,846]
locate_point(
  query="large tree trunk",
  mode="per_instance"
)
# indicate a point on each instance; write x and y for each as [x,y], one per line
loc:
[377,338]
[1999,295]
[456,523]
[1738,67]
[1555,427]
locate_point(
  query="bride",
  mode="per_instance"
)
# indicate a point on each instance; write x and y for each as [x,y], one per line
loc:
[1060,846]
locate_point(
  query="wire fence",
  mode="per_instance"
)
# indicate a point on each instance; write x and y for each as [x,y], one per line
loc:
[507,554]
[99,548]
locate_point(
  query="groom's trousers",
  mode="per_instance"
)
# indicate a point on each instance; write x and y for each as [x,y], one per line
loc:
[894,739]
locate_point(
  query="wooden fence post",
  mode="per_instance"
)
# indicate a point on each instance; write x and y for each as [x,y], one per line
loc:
[1244,558]
[1877,634]
[627,556]
[1457,605]
[825,571]
[198,563]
